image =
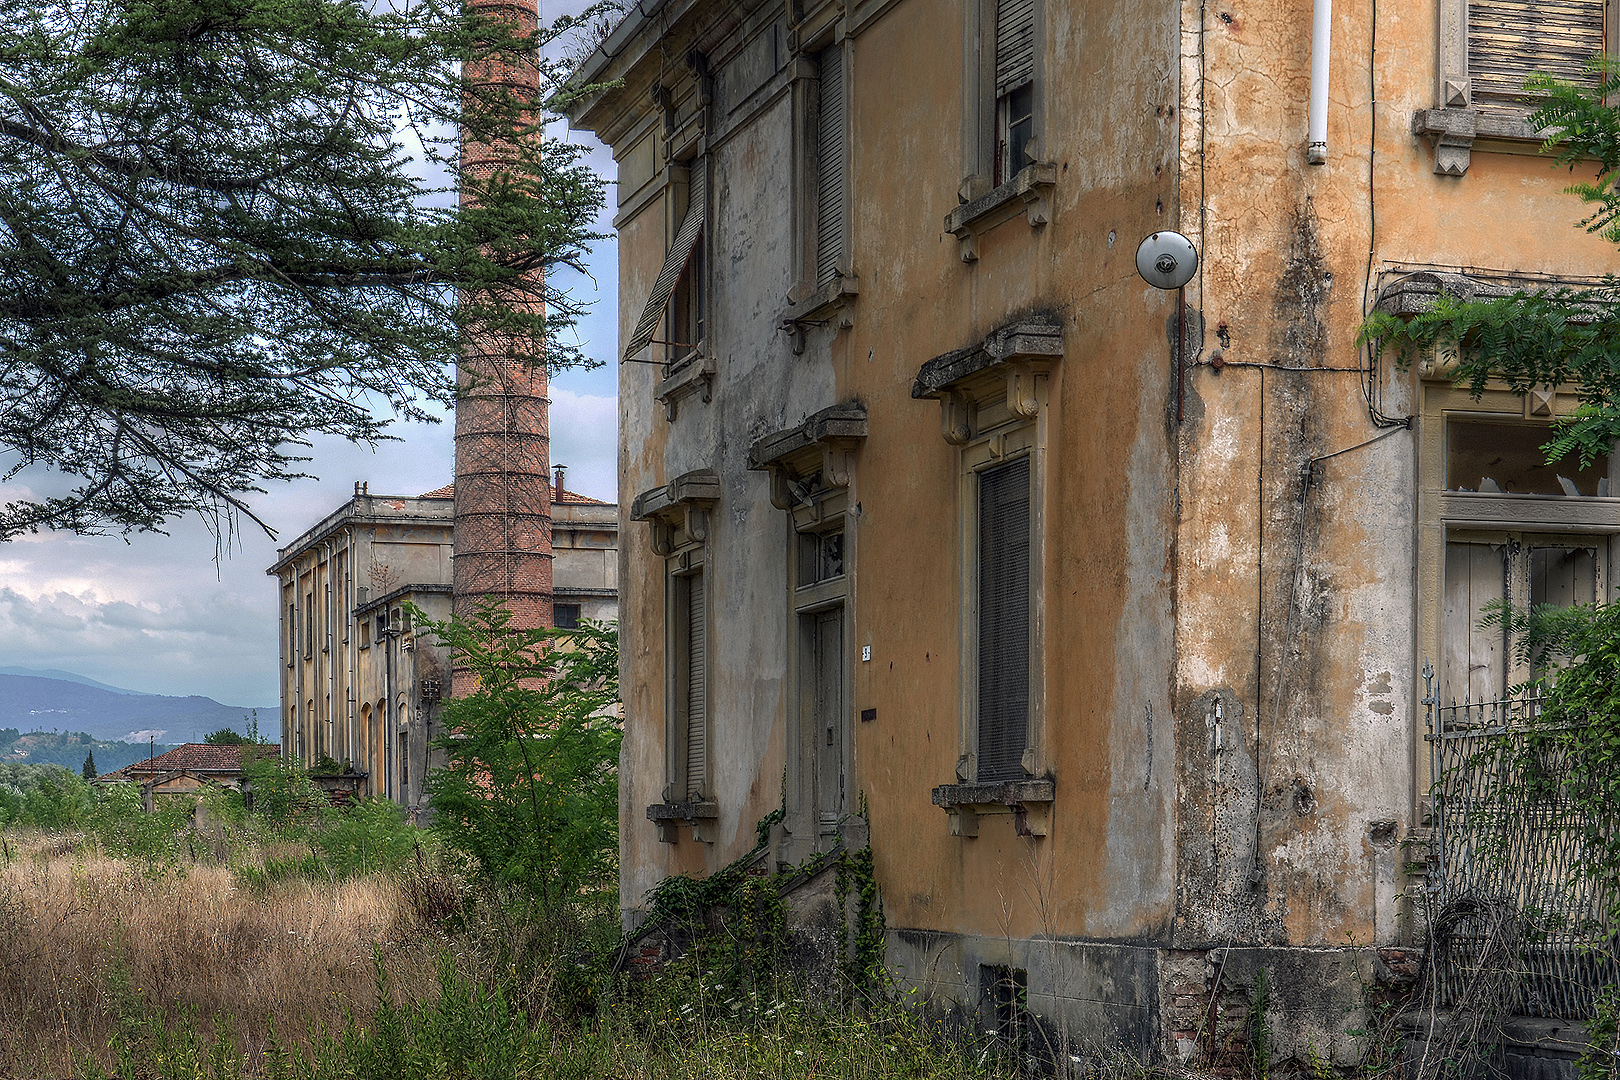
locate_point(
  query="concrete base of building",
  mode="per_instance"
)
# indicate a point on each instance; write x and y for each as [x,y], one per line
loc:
[1097,999]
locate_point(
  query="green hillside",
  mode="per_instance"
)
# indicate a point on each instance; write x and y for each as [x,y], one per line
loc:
[68,749]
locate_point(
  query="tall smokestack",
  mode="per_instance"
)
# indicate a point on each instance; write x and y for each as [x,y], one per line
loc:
[503,501]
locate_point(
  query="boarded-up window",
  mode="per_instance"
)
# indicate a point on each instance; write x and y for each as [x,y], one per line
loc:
[1003,623]
[1510,39]
[831,154]
[691,684]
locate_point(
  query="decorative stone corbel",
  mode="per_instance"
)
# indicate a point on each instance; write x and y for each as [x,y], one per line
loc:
[1022,399]
[1452,131]
[956,417]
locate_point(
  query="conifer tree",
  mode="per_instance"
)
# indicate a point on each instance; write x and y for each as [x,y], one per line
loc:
[89,771]
[229,225]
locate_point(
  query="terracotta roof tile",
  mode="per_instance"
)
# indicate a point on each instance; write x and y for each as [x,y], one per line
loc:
[194,757]
[449,492]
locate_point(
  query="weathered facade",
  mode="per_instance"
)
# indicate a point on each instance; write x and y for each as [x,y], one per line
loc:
[360,684]
[1105,619]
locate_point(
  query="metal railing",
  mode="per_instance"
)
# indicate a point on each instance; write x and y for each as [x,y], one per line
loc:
[1505,874]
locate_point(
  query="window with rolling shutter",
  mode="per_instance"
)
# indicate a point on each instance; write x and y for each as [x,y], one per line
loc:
[830,159]
[1015,86]
[1003,620]
[694,692]
[1015,44]
[676,261]
[1508,40]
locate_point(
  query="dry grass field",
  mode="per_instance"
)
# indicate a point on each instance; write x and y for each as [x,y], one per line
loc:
[78,929]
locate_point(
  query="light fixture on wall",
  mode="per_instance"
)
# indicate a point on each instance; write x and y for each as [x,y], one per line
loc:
[1168,260]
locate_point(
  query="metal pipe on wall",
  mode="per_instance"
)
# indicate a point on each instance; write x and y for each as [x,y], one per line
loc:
[1321,50]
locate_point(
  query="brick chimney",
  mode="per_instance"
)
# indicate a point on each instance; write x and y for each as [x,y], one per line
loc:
[503,504]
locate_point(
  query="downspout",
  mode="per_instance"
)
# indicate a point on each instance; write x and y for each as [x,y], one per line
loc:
[388,708]
[1321,49]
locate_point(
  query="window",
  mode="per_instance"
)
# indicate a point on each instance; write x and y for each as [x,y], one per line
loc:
[309,624]
[1003,620]
[1006,999]
[830,164]
[1535,560]
[689,630]
[365,633]
[821,557]
[292,633]
[382,625]
[677,301]
[1509,39]
[565,616]
[1015,86]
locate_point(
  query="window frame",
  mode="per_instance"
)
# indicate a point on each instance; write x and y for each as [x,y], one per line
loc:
[1444,514]
[1453,83]
[997,447]
[981,103]
[685,583]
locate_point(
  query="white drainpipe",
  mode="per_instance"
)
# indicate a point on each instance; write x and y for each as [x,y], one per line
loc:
[1321,49]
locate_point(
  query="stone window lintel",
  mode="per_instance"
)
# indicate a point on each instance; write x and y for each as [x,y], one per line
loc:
[1029,192]
[680,506]
[1009,365]
[824,444]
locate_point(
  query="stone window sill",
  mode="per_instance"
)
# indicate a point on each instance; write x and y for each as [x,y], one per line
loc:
[669,817]
[1457,132]
[694,375]
[1029,193]
[1028,801]
[832,303]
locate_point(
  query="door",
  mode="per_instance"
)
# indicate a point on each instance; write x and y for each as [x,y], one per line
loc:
[829,715]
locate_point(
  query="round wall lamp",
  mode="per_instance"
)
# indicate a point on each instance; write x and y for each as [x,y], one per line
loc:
[1167,260]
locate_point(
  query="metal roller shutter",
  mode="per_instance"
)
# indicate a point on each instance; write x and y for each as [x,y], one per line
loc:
[830,157]
[697,716]
[1004,552]
[1015,44]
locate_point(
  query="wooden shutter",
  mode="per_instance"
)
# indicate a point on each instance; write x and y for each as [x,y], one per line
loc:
[675,261]
[1015,44]
[1473,665]
[697,713]
[1004,552]
[1510,39]
[830,158]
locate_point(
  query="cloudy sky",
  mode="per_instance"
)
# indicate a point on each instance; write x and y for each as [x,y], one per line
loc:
[159,614]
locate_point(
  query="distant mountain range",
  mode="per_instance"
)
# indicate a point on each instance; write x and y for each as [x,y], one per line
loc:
[62,701]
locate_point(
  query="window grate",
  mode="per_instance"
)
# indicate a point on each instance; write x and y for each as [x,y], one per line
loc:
[1004,623]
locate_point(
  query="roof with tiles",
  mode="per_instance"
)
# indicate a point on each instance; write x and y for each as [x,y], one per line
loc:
[566,496]
[195,758]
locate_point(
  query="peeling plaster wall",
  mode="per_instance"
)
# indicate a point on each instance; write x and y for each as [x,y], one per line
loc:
[1231,702]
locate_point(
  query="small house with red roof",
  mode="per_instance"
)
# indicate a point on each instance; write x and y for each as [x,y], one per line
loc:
[189,769]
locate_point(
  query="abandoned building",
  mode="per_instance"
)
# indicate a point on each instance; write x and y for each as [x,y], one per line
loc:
[1103,611]
[189,770]
[360,684]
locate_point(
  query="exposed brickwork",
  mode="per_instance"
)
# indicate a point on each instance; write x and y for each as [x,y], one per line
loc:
[502,495]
